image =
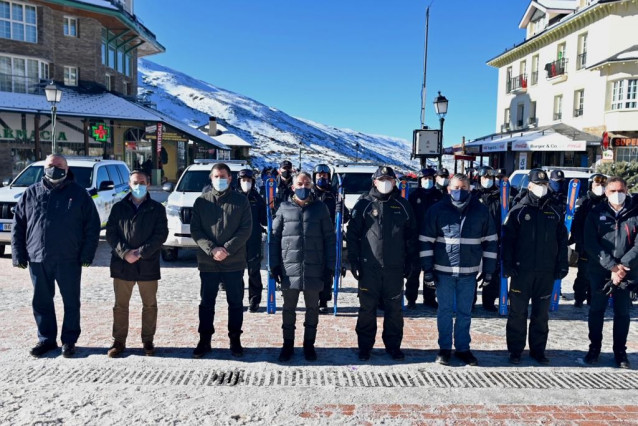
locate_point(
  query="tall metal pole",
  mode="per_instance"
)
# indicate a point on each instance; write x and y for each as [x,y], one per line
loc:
[425,67]
[300,145]
[442,120]
[54,111]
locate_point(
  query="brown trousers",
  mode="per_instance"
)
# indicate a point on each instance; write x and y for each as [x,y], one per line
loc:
[148,292]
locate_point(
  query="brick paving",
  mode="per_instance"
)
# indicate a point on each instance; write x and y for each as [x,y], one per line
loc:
[178,298]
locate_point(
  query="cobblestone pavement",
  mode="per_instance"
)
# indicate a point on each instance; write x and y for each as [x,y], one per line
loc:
[172,387]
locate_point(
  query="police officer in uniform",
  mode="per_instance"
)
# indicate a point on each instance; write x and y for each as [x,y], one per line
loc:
[284,183]
[534,255]
[382,250]
[584,205]
[421,199]
[442,177]
[558,190]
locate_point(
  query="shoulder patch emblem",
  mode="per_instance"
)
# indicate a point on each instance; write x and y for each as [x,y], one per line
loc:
[375,212]
[418,201]
[528,217]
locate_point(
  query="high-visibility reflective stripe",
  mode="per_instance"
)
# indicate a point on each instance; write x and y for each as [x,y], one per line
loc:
[457,270]
[490,255]
[426,239]
[426,253]
[492,237]
[453,241]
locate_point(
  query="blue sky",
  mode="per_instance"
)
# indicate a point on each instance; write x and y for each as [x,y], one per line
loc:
[350,64]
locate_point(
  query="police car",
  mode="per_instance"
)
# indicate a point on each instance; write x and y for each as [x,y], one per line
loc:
[105,180]
[180,202]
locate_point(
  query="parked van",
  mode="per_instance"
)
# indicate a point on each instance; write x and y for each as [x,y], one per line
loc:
[356,180]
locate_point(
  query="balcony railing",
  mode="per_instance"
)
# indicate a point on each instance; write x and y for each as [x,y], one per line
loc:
[556,68]
[518,83]
[581,60]
[534,77]
[558,116]
[21,84]
[532,121]
[578,112]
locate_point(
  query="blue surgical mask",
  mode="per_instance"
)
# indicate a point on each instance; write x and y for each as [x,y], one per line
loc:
[554,185]
[302,194]
[427,183]
[220,184]
[459,195]
[323,182]
[138,191]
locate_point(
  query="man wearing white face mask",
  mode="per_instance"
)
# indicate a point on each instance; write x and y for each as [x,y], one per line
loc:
[534,250]
[221,224]
[611,230]
[253,246]
[382,250]
[585,204]
[442,178]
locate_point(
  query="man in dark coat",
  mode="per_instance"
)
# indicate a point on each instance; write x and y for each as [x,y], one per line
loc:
[55,233]
[221,225]
[302,255]
[534,256]
[421,199]
[284,183]
[382,250]
[253,246]
[136,230]
[611,230]
[585,204]
[442,177]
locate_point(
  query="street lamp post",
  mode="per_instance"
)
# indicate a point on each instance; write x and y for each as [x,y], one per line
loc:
[440,106]
[53,95]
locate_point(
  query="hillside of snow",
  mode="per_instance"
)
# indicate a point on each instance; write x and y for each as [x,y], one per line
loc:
[274,134]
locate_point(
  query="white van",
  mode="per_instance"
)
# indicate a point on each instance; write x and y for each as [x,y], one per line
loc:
[356,179]
[519,178]
[105,180]
[180,202]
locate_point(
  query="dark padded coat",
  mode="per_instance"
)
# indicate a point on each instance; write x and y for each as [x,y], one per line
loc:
[55,224]
[260,220]
[584,205]
[303,244]
[129,228]
[221,220]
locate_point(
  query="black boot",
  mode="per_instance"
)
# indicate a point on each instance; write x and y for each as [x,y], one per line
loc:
[287,350]
[309,350]
[235,346]
[203,346]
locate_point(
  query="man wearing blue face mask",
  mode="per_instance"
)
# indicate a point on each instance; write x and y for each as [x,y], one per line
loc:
[136,230]
[558,190]
[221,225]
[458,240]
[421,199]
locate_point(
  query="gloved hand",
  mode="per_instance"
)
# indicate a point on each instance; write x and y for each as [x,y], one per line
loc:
[328,274]
[486,279]
[276,273]
[559,275]
[22,265]
[428,280]
[355,269]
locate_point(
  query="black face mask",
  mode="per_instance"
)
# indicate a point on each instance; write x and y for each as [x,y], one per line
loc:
[286,174]
[54,174]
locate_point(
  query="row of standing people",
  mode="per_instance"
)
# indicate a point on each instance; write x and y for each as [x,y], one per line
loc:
[457,241]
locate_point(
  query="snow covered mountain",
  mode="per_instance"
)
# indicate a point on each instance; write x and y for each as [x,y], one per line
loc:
[274,134]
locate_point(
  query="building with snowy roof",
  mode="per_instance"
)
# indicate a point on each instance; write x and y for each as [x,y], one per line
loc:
[568,88]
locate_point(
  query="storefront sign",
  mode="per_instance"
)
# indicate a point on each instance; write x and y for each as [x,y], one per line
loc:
[168,136]
[549,146]
[495,147]
[160,136]
[29,136]
[522,161]
[624,141]
[608,155]
[101,132]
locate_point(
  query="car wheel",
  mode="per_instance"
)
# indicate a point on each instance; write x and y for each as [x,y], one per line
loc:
[169,254]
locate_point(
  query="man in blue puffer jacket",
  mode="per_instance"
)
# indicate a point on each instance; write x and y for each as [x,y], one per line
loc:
[56,229]
[457,235]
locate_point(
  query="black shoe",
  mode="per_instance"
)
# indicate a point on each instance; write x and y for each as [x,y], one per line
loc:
[236,349]
[490,308]
[466,357]
[540,358]
[364,355]
[253,307]
[309,351]
[43,347]
[324,310]
[592,356]
[443,357]
[411,305]
[68,350]
[578,304]
[149,349]
[431,303]
[515,358]
[622,361]
[203,347]
[396,354]
[287,351]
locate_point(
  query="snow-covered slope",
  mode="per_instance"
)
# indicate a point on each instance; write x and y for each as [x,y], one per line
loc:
[274,134]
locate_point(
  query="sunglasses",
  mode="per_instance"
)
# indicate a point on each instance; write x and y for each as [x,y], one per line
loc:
[600,179]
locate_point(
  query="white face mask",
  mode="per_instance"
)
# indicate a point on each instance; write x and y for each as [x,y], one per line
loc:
[598,190]
[539,190]
[442,181]
[245,186]
[427,183]
[487,183]
[617,198]
[384,186]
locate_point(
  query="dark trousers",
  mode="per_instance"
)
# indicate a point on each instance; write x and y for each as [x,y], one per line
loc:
[255,287]
[378,284]
[536,286]
[326,294]
[490,293]
[412,289]
[234,295]
[622,305]
[289,316]
[581,283]
[44,276]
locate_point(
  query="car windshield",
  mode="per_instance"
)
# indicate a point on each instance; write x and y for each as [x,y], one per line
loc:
[357,183]
[196,180]
[34,174]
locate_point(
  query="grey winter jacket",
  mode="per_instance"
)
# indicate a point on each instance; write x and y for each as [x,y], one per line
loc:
[303,243]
